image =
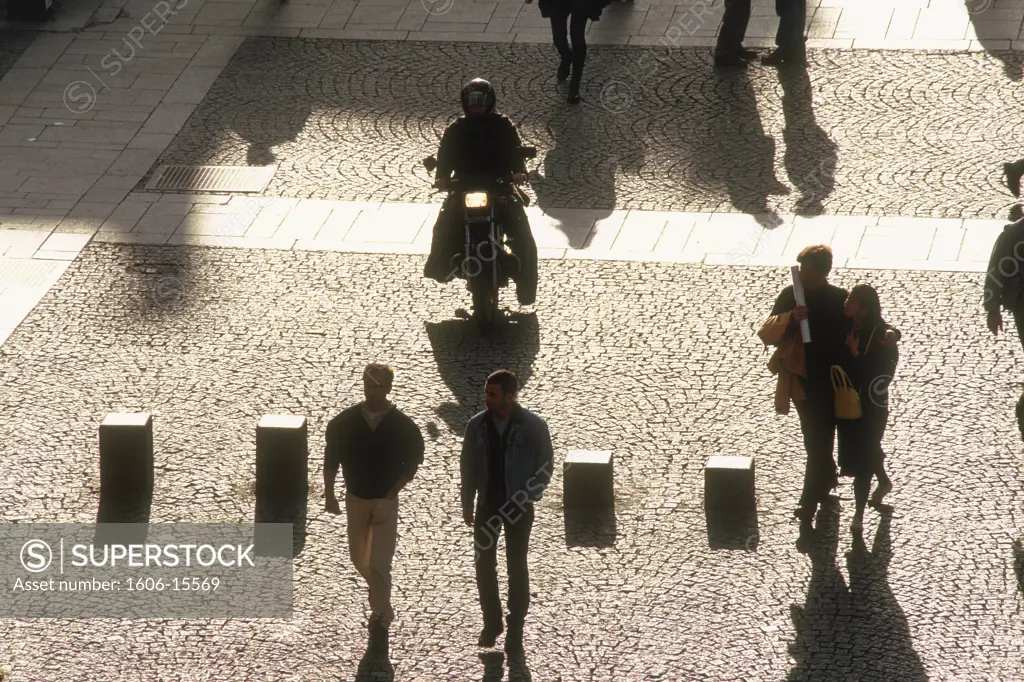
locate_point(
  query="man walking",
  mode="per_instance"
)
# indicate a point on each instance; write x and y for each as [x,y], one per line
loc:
[729,50]
[789,39]
[828,326]
[506,464]
[379,450]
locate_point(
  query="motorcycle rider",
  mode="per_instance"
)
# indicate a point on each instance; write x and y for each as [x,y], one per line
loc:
[482,143]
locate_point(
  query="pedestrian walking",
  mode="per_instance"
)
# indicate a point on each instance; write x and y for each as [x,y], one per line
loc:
[379,450]
[729,50]
[870,362]
[506,464]
[569,21]
[1004,281]
[791,48]
[812,392]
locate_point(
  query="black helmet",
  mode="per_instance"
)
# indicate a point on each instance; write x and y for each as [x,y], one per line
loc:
[478,92]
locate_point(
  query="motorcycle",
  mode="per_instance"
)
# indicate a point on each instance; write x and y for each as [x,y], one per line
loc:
[485,260]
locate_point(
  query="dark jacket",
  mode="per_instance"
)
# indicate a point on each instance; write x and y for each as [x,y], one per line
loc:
[372,460]
[828,334]
[593,8]
[1004,282]
[529,458]
[873,369]
[479,145]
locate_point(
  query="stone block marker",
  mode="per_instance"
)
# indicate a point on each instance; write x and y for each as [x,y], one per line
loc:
[729,483]
[282,465]
[126,460]
[587,479]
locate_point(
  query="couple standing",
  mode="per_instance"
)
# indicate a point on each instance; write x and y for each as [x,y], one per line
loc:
[846,329]
[506,464]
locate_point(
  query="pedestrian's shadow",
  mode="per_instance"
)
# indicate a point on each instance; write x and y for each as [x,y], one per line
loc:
[995,45]
[465,359]
[494,666]
[811,156]
[865,618]
[575,166]
[750,179]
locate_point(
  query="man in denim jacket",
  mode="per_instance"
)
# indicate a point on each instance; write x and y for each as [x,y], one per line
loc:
[505,466]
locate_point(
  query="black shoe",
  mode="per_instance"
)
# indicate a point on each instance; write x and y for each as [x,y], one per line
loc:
[574,94]
[783,57]
[563,68]
[1013,172]
[749,55]
[514,638]
[730,60]
[489,635]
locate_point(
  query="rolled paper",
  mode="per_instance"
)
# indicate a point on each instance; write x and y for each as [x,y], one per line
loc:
[798,294]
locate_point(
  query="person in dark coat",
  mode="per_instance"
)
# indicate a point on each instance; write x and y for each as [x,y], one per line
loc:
[828,326]
[729,50]
[790,39]
[870,362]
[569,21]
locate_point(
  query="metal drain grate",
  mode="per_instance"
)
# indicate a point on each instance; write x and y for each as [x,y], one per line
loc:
[212,178]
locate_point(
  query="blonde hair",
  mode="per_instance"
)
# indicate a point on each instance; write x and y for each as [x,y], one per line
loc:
[380,369]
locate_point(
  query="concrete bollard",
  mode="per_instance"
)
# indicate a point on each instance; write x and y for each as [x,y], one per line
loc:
[729,484]
[282,466]
[126,461]
[588,479]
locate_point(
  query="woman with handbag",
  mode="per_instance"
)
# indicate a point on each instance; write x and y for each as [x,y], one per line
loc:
[569,21]
[870,363]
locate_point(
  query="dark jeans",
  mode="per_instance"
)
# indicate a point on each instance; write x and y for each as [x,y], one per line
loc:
[572,25]
[818,423]
[792,19]
[517,522]
[734,28]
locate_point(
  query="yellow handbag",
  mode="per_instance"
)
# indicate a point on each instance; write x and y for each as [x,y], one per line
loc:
[847,397]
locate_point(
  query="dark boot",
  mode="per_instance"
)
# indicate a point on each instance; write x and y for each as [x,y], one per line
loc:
[378,638]
[514,636]
[489,635]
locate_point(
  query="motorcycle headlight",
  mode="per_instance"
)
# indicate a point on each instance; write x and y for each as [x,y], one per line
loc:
[476,200]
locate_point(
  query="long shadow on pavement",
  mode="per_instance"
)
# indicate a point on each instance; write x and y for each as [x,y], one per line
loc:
[859,630]
[748,181]
[464,359]
[811,157]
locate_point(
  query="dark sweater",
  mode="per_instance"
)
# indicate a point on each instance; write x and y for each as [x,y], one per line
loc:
[828,334]
[372,460]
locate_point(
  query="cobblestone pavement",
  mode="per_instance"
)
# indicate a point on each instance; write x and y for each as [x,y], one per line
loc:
[633,357]
[867,133]
[12,44]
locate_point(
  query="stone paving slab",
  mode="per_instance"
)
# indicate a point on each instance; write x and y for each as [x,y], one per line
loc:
[657,362]
[861,133]
[858,242]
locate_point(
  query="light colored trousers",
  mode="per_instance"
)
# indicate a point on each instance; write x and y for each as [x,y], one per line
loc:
[372,533]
